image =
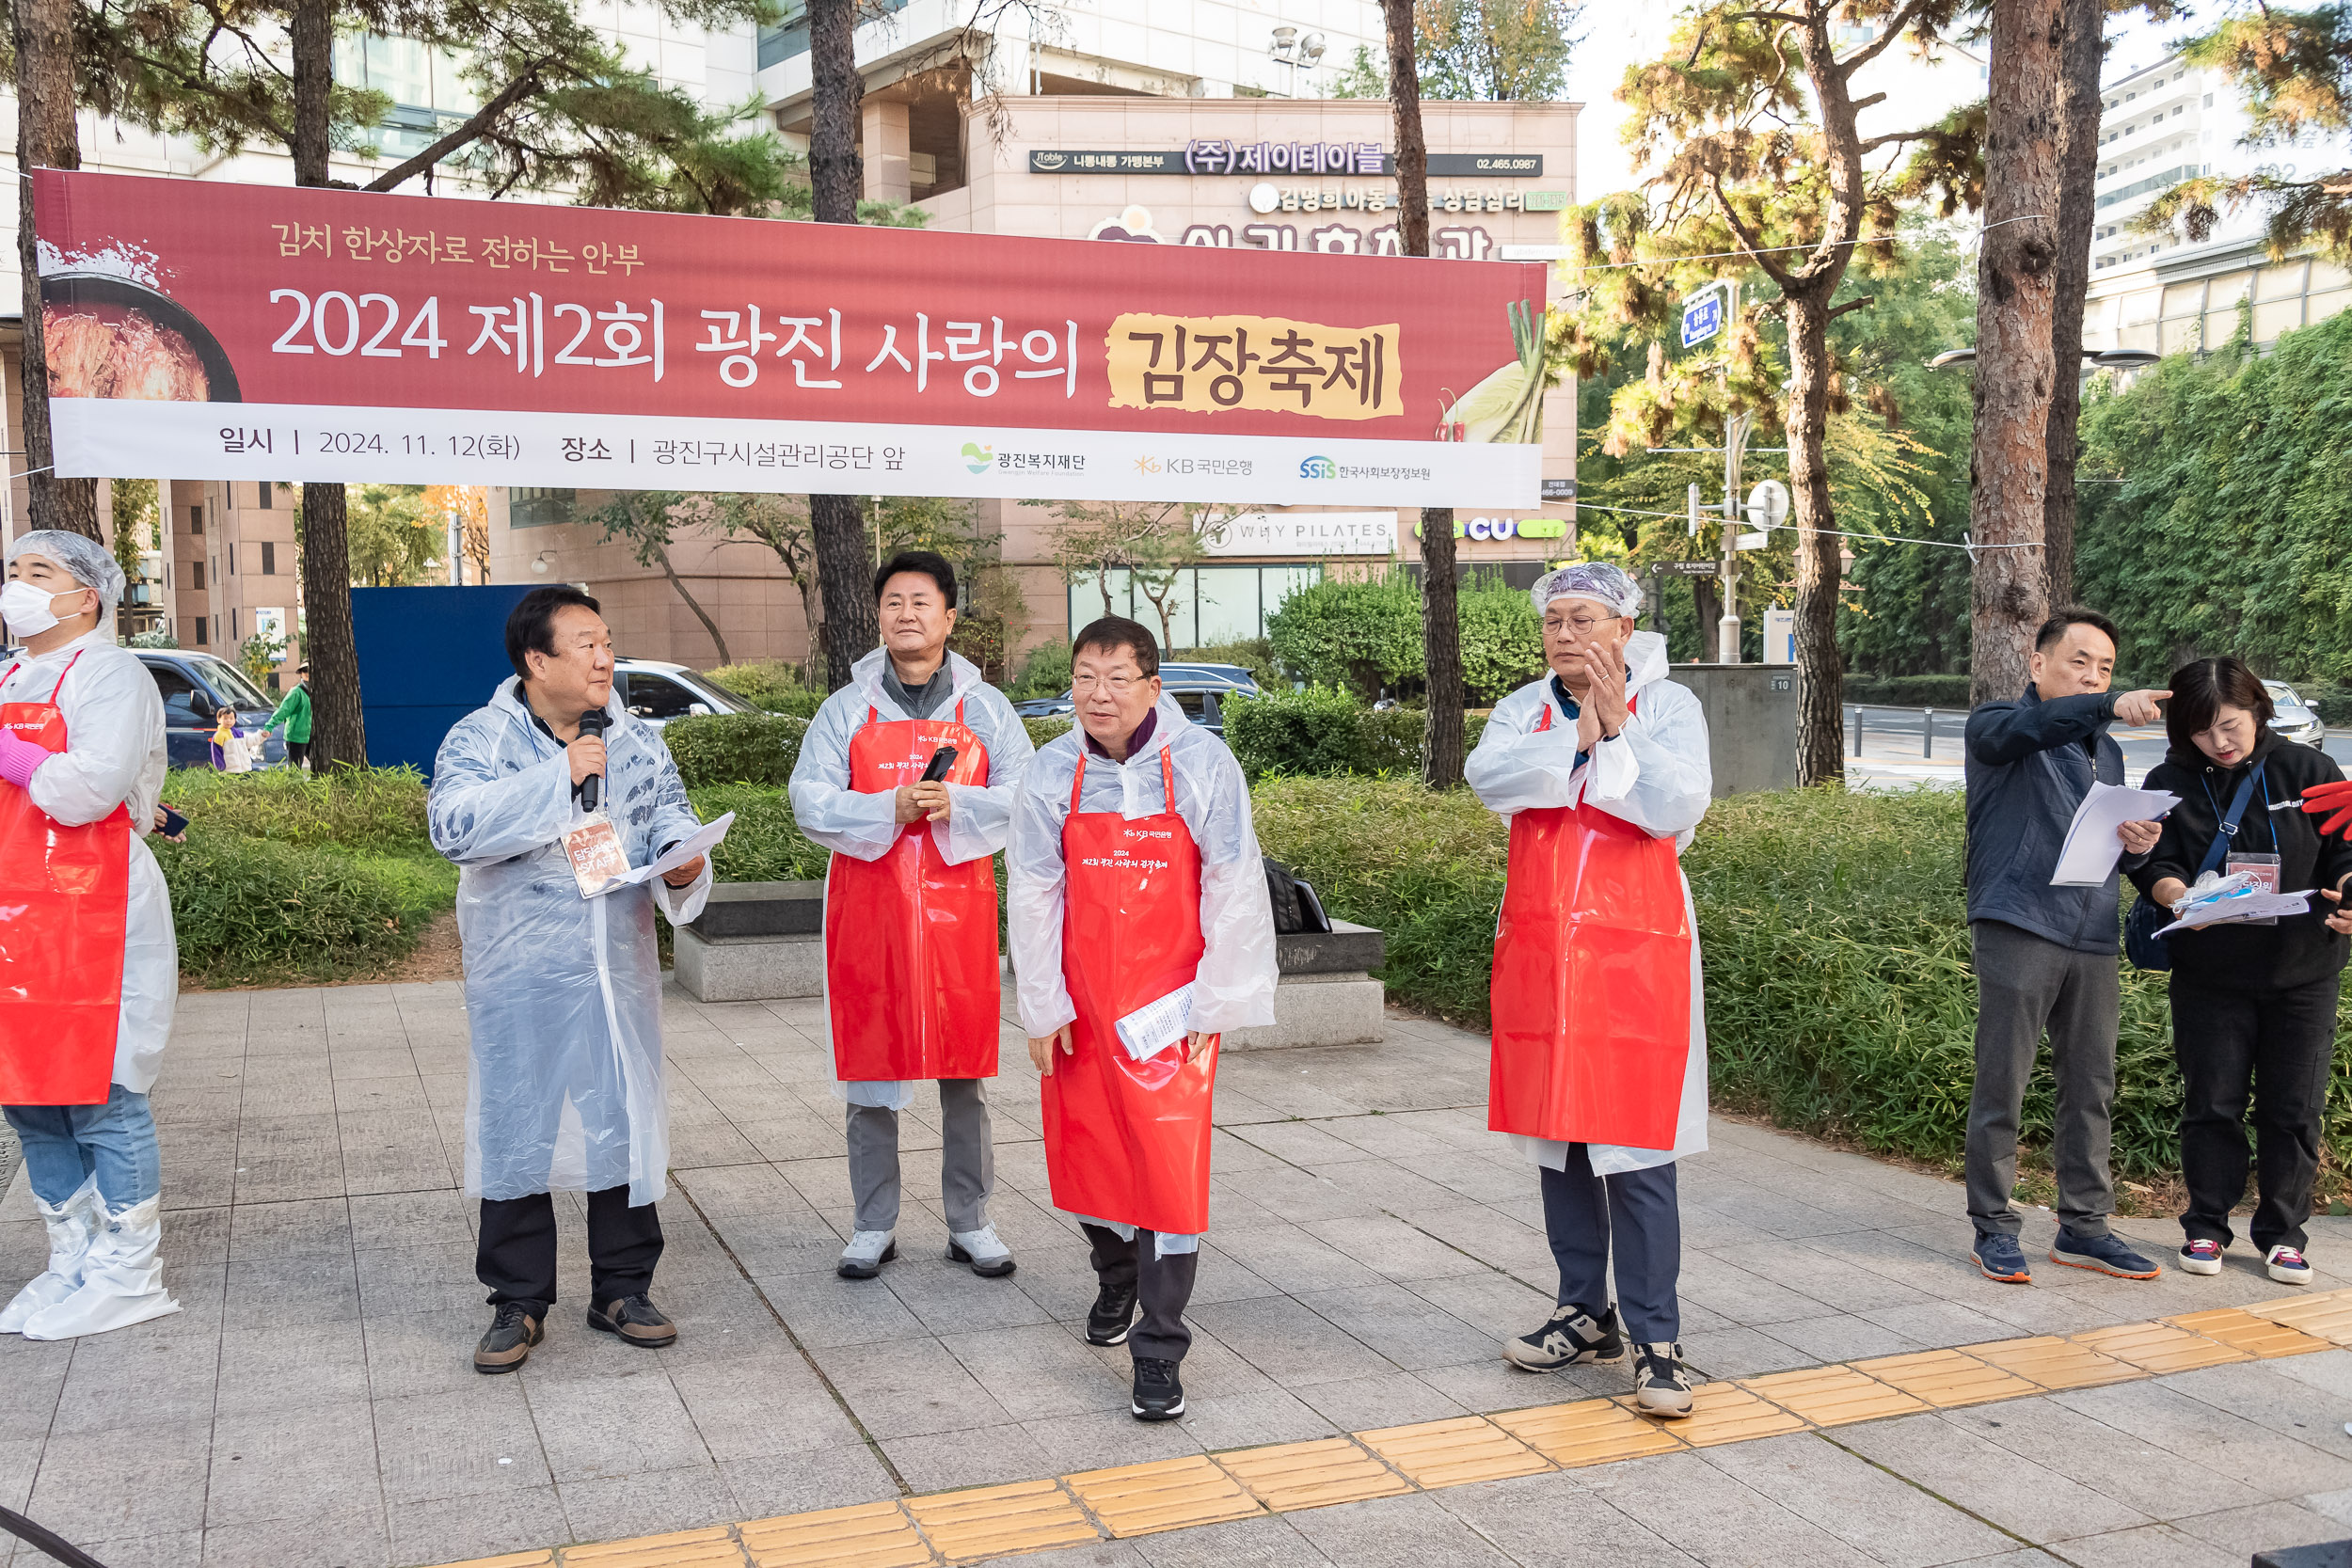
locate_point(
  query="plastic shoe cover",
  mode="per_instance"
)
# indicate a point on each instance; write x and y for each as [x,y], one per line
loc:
[122,1281]
[72,1225]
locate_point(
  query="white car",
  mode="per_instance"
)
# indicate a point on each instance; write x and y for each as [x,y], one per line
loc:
[2294,719]
[659,692]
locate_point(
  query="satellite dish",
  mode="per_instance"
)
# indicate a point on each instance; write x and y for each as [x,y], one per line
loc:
[1768,504]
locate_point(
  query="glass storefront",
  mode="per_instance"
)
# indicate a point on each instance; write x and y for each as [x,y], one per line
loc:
[1203,604]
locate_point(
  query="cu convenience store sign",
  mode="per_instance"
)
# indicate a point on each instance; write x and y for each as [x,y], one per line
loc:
[236,332]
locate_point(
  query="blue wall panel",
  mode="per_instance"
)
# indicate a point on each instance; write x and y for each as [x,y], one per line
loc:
[427,657]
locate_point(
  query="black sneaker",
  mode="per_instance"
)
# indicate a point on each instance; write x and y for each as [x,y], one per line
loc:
[1114,1309]
[636,1319]
[1571,1336]
[507,1346]
[1661,1383]
[1158,1396]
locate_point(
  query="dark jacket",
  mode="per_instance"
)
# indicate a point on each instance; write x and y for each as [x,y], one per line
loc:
[2031,763]
[2300,948]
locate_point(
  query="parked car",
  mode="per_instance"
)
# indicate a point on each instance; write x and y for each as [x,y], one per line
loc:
[1199,690]
[659,692]
[2294,719]
[194,688]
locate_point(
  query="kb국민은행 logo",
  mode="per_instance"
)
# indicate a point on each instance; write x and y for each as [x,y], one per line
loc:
[1318,467]
[976,457]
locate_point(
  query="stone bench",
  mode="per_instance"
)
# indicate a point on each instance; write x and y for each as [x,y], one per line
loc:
[760,942]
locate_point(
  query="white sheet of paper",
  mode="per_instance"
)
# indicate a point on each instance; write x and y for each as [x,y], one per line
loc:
[1156,1026]
[688,847]
[2246,906]
[2092,848]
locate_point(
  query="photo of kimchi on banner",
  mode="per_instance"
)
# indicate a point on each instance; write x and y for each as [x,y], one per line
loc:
[247,332]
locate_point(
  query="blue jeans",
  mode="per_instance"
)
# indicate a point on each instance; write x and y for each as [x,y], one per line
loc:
[66,1145]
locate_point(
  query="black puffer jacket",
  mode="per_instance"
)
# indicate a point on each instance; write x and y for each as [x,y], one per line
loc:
[2300,948]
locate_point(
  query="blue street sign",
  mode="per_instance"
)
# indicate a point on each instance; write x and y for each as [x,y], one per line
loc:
[1702,318]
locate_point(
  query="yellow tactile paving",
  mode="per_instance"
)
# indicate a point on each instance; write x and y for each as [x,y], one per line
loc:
[2159,1347]
[870,1535]
[2055,1363]
[1590,1432]
[2327,1315]
[686,1548]
[1726,1413]
[1169,1494]
[989,1521]
[1454,1453]
[2240,1329]
[1945,1378]
[1313,1475]
[1833,1396]
[511,1559]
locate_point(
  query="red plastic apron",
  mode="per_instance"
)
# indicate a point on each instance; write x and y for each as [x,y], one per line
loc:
[65,911]
[1592,982]
[1128,1140]
[910,955]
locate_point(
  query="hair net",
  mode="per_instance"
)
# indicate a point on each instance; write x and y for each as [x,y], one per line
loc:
[92,564]
[1609,585]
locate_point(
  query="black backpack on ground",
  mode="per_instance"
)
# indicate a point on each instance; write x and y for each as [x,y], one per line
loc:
[1296,909]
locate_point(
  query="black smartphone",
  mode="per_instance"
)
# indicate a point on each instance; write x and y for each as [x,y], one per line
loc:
[174,824]
[942,760]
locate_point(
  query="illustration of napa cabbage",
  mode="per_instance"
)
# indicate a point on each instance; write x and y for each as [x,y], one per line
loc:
[1508,406]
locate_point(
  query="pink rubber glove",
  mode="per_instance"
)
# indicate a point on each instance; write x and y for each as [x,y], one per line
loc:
[20,759]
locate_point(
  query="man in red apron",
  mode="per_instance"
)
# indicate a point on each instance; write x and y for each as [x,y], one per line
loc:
[1599,1059]
[1141,933]
[912,971]
[88,967]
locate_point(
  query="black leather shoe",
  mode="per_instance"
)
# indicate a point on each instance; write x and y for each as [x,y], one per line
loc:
[1158,1396]
[1114,1309]
[507,1346]
[636,1319]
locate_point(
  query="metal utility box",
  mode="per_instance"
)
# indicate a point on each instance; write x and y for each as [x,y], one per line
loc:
[1751,723]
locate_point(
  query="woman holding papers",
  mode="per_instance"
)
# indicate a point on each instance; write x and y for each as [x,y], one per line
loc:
[2253,1005]
[1141,934]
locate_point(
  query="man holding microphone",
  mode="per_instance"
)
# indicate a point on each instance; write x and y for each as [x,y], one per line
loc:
[536,796]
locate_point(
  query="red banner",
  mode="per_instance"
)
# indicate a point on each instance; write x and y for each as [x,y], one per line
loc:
[236,331]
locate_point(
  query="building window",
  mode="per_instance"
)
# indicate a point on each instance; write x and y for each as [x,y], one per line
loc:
[195,519]
[1206,605]
[429,96]
[269,558]
[788,38]
[197,583]
[232,557]
[539,506]
[201,640]
[263,491]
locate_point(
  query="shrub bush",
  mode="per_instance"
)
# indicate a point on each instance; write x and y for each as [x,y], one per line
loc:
[1840,997]
[736,748]
[765,845]
[1042,730]
[1502,640]
[380,809]
[771,684]
[1909,691]
[1362,637]
[255,908]
[1044,673]
[1320,732]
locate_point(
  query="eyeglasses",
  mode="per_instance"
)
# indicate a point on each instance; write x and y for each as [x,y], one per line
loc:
[1119,685]
[1576,624]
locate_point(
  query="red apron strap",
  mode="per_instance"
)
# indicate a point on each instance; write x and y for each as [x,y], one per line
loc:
[1545,723]
[1078,777]
[1167,780]
[872,713]
[62,673]
[959,710]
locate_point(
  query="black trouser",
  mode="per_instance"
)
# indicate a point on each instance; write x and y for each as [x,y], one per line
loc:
[2279,1045]
[1634,1215]
[515,1253]
[297,753]
[1163,1287]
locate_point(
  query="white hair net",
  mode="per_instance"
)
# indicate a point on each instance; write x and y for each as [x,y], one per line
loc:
[1612,586]
[92,564]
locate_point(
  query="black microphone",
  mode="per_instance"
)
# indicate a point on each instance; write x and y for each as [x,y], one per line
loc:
[592,722]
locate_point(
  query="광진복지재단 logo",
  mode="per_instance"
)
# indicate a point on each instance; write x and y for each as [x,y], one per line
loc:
[977,457]
[1318,467]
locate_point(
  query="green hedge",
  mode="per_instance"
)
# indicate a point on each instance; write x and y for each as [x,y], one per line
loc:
[380,809]
[1840,998]
[1909,691]
[736,748]
[1365,637]
[764,845]
[1322,731]
[1042,730]
[771,684]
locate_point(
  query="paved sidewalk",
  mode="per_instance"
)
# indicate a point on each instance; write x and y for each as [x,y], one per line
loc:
[314,1404]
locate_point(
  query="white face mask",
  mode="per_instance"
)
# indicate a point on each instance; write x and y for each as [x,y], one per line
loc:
[25,607]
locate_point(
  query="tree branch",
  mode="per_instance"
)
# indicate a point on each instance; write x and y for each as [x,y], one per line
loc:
[474,129]
[1896,26]
[1897,138]
[1752,241]
[1837,310]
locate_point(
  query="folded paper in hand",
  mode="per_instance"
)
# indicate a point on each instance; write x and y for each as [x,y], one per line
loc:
[685,851]
[2232,908]
[1156,1026]
[2092,848]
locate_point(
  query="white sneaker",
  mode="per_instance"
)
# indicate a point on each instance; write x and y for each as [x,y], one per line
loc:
[2288,1266]
[122,1283]
[2201,1256]
[989,1257]
[868,1251]
[72,1225]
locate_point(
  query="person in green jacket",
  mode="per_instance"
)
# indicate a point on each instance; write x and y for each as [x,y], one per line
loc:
[293,716]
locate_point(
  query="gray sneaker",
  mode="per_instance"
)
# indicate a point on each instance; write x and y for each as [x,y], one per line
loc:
[868,1251]
[989,1257]
[1661,1383]
[1571,1336]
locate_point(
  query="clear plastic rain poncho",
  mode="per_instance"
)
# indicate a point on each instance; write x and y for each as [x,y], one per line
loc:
[1656,774]
[865,823]
[562,993]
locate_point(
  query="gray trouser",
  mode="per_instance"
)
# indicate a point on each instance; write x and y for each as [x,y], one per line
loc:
[2025,983]
[967,1160]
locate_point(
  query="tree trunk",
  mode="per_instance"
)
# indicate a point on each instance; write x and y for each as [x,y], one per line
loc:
[2008,460]
[1706,603]
[46,137]
[1440,619]
[2079,170]
[836,177]
[338,736]
[695,605]
[1821,672]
